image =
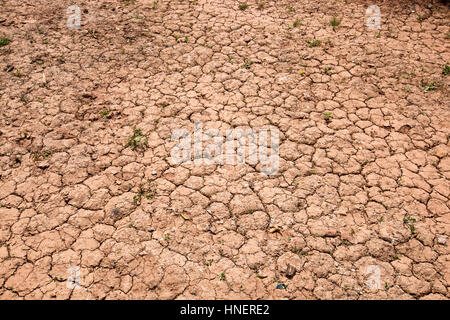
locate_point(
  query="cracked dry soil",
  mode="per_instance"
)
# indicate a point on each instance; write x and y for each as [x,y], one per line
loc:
[359,208]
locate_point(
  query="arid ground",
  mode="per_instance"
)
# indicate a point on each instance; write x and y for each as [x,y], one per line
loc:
[91,206]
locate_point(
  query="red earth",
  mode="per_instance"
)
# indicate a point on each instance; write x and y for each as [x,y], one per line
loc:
[91,206]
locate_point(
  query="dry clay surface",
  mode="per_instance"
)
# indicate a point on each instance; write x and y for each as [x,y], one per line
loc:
[359,208]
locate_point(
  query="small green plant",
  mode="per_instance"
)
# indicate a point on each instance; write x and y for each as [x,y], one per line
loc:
[423,17]
[47,154]
[209,262]
[243,6]
[327,116]
[409,221]
[247,64]
[335,22]
[327,70]
[105,113]
[42,155]
[137,139]
[296,23]
[167,237]
[222,276]
[312,43]
[430,87]
[4,41]
[147,190]
[446,70]
[18,74]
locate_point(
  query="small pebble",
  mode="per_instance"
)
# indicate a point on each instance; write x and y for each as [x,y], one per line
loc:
[442,240]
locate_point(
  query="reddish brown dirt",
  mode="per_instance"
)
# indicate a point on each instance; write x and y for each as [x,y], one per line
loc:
[362,194]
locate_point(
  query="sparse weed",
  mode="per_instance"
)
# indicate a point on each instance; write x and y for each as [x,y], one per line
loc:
[409,221]
[43,155]
[423,17]
[137,140]
[105,113]
[208,262]
[312,43]
[147,190]
[243,6]
[4,41]
[47,154]
[18,74]
[335,22]
[430,87]
[247,64]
